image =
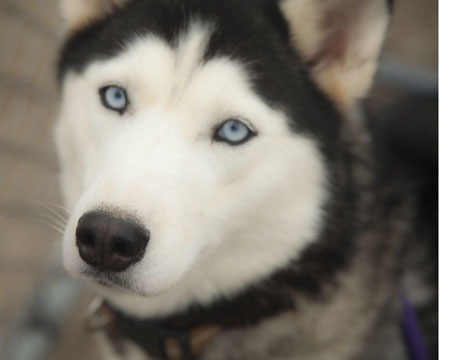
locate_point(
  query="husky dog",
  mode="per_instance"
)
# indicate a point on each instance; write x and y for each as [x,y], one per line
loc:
[226,201]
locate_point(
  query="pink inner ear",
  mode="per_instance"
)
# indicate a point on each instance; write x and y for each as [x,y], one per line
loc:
[335,45]
[340,41]
[334,48]
[338,23]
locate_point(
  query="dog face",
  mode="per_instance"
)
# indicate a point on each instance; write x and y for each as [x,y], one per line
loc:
[196,151]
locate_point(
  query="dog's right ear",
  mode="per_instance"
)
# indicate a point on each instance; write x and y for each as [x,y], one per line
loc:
[339,41]
[76,14]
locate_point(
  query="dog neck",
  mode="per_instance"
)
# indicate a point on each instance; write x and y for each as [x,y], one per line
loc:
[179,337]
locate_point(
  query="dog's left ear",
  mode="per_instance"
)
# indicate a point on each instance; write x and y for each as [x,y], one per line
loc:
[76,14]
[340,41]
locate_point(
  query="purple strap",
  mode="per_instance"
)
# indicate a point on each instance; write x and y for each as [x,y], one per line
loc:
[412,332]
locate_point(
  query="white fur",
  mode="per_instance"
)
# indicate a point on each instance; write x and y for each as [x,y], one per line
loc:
[220,217]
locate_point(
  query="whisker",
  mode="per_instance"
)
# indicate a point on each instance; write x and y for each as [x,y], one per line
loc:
[50,217]
[52,220]
[56,205]
[60,231]
[53,226]
[62,217]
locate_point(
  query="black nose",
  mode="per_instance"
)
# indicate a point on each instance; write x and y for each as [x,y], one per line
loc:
[110,243]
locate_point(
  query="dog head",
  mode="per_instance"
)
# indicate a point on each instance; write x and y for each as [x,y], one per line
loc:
[196,138]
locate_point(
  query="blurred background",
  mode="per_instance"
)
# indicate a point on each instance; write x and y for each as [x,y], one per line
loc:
[41,309]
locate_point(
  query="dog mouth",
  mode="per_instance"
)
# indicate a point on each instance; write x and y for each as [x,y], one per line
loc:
[110,281]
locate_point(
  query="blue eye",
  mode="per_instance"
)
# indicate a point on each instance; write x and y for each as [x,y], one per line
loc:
[233,132]
[114,98]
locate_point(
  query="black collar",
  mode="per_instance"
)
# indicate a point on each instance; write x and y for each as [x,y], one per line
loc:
[174,341]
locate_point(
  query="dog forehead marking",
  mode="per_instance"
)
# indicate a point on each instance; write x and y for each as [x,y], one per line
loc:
[189,54]
[170,65]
